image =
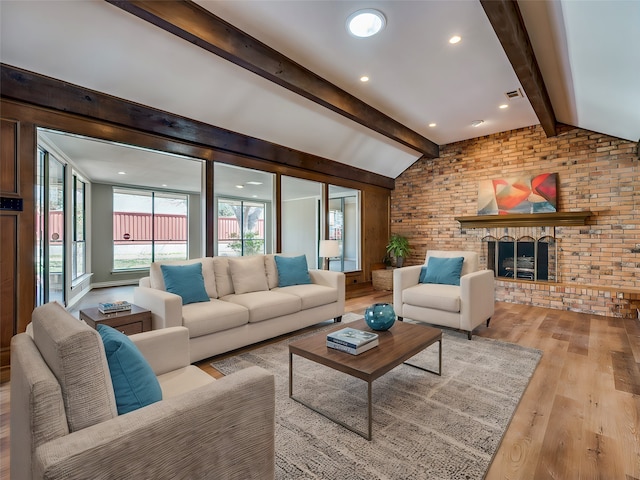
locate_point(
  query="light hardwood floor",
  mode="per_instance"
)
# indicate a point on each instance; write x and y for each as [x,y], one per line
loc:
[580,415]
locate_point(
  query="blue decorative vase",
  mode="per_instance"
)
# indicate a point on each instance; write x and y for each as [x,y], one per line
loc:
[380,316]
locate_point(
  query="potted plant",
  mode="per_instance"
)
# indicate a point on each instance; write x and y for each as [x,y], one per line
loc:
[399,248]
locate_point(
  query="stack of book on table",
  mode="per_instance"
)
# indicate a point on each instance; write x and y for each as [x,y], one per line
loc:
[352,341]
[113,307]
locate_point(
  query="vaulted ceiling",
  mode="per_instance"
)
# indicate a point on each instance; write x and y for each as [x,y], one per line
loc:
[312,99]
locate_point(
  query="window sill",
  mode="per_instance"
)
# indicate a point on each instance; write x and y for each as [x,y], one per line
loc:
[80,280]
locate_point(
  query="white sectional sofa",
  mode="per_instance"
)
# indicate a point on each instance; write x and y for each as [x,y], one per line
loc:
[246,304]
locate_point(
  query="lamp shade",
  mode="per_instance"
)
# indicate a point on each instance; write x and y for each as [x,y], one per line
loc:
[329,248]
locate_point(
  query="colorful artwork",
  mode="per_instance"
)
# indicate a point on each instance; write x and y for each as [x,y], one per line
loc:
[518,195]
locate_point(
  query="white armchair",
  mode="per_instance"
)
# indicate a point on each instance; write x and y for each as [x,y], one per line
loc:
[64,422]
[462,307]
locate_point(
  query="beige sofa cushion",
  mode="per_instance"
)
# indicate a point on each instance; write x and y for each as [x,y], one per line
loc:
[271,269]
[433,295]
[266,305]
[183,380]
[248,274]
[214,316]
[311,295]
[75,354]
[223,276]
[208,274]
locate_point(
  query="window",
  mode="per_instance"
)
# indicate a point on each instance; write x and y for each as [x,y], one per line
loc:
[243,206]
[148,226]
[78,245]
[344,226]
[240,227]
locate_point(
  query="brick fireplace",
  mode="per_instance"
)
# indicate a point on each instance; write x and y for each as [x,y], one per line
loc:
[597,264]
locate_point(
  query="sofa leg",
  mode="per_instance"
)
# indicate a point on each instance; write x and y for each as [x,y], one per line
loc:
[488,320]
[400,319]
[469,334]
[337,319]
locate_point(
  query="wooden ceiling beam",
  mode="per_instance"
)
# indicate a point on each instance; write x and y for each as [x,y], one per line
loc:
[35,89]
[197,25]
[507,22]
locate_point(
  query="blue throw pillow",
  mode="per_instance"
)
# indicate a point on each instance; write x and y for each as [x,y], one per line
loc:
[186,281]
[445,271]
[134,383]
[423,275]
[292,271]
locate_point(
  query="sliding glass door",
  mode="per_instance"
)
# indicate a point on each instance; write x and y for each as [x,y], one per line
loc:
[50,225]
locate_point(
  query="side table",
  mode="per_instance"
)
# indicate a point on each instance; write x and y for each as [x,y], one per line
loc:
[132,321]
[382,279]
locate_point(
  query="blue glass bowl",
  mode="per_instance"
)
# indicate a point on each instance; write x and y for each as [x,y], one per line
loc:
[380,316]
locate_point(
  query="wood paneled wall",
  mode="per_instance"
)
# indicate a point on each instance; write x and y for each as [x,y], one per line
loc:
[17,239]
[18,168]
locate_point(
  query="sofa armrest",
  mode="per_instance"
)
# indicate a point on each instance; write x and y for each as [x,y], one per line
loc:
[166,307]
[222,430]
[166,349]
[477,298]
[330,279]
[404,277]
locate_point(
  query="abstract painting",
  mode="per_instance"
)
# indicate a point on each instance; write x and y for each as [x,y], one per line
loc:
[522,194]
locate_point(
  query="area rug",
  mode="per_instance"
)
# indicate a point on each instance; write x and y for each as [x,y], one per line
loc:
[424,426]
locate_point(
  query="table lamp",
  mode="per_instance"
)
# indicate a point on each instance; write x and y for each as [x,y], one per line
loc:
[328,249]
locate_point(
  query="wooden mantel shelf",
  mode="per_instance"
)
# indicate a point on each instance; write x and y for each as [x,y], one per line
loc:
[525,220]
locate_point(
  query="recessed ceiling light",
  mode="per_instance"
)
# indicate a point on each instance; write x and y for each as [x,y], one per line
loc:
[503,106]
[254,196]
[364,78]
[365,23]
[432,125]
[477,123]
[164,184]
[239,186]
[122,173]
[455,39]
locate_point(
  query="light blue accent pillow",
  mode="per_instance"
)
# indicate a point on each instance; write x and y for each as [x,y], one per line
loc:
[134,383]
[186,281]
[444,271]
[292,271]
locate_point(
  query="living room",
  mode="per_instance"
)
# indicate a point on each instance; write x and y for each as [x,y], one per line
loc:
[596,266]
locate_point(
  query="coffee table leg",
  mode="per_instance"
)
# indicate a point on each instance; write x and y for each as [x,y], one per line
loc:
[290,374]
[439,372]
[370,411]
[368,435]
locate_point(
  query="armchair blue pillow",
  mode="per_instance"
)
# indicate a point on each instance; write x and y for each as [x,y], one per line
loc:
[134,383]
[292,270]
[445,271]
[186,281]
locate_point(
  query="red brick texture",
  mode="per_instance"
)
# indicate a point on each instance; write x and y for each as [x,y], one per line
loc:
[598,264]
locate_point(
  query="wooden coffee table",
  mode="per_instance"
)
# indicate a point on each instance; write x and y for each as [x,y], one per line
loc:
[396,345]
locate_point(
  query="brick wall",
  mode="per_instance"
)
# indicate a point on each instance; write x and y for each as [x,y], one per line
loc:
[598,264]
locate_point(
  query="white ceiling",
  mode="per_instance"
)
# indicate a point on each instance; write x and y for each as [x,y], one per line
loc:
[587,50]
